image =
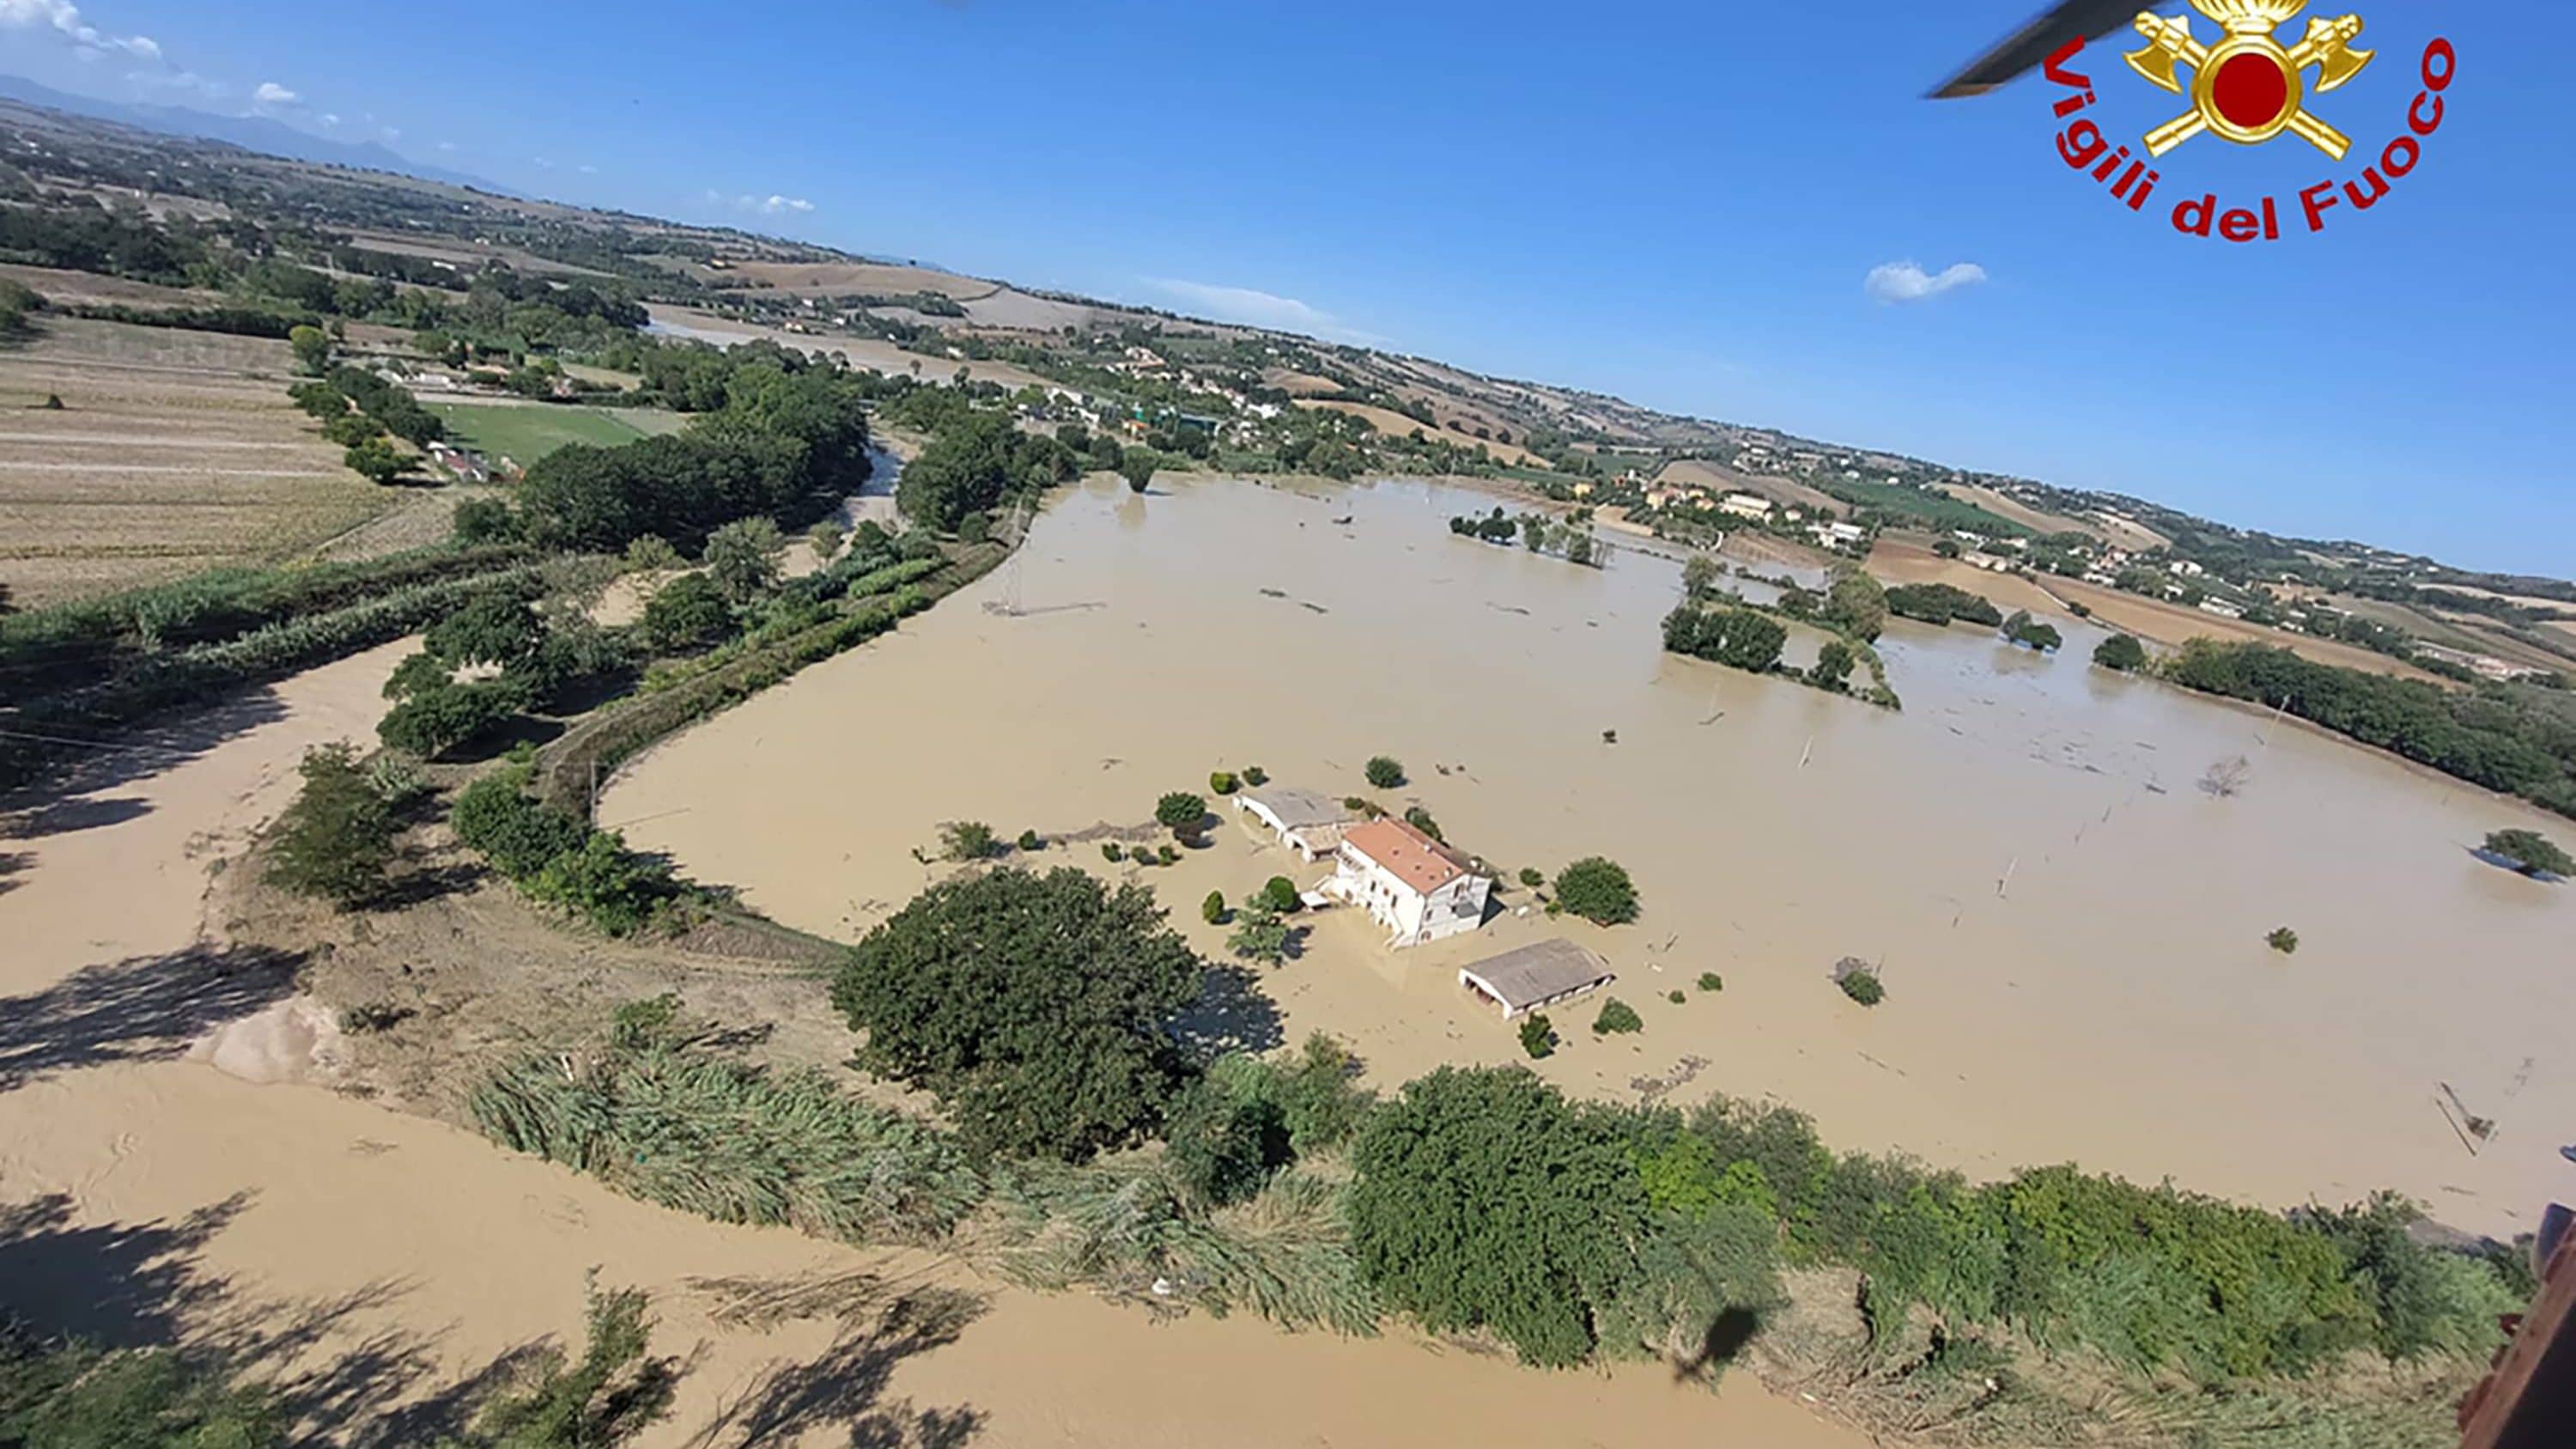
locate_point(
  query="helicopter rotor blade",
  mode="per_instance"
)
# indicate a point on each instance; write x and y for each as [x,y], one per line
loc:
[2027,47]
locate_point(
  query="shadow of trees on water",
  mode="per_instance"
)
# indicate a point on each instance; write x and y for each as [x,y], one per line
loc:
[880,1324]
[144,1008]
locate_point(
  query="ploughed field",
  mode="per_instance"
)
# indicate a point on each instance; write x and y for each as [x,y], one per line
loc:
[174,451]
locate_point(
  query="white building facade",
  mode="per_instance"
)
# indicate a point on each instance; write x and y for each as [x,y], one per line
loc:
[1417,888]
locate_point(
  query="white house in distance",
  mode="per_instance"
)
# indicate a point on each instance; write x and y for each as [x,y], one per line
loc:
[1417,888]
[1306,822]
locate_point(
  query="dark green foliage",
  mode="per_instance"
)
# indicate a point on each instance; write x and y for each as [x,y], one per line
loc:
[1363,806]
[1030,843]
[487,520]
[1420,819]
[1213,909]
[1181,811]
[418,673]
[1255,776]
[2530,852]
[374,460]
[1222,782]
[439,718]
[2120,652]
[76,1395]
[742,558]
[1538,1036]
[1855,604]
[1279,893]
[1138,467]
[491,629]
[2028,632]
[1833,665]
[1861,984]
[1384,772]
[1166,854]
[687,612]
[1711,981]
[602,882]
[1532,877]
[335,841]
[608,1397]
[1259,934]
[1109,851]
[2283,940]
[1597,890]
[969,840]
[1225,1141]
[1036,1007]
[1941,603]
[2424,1301]
[1617,1018]
[1676,996]
[2492,738]
[975,461]
[1739,638]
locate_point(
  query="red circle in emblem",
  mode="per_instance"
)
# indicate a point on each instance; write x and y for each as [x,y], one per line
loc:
[2250,90]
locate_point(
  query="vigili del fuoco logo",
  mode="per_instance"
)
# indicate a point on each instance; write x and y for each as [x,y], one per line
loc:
[2247,87]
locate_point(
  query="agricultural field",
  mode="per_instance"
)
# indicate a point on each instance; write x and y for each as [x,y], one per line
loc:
[173,451]
[1779,490]
[2450,631]
[525,432]
[1397,425]
[2034,519]
[1933,510]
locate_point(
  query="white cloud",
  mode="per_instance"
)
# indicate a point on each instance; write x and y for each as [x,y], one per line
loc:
[64,18]
[771,205]
[446,145]
[329,118]
[1907,282]
[270,93]
[1255,308]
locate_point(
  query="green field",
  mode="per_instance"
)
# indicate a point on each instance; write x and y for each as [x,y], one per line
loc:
[526,432]
[1939,510]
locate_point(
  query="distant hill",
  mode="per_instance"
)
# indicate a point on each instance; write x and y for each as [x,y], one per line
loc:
[255,133]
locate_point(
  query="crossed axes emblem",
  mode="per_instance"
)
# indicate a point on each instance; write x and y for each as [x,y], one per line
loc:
[2247,87]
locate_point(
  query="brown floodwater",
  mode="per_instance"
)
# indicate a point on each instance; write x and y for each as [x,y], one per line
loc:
[2070,930]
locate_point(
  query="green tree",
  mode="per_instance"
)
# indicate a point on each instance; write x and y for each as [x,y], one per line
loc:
[685,613]
[1617,1018]
[742,559]
[1538,1036]
[336,840]
[612,1394]
[1223,782]
[1181,812]
[374,460]
[312,348]
[2120,652]
[438,719]
[1030,843]
[1859,983]
[1384,772]
[1227,1140]
[825,540]
[969,840]
[491,628]
[1213,909]
[1259,934]
[496,818]
[1138,468]
[1699,578]
[1532,877]
[1035,1007]
[486,520]
[2283,940]
[1711,981]
[2531,852]
[1855,603]
[1598,890]
[1833,665]
[1279,893]
[1420,819]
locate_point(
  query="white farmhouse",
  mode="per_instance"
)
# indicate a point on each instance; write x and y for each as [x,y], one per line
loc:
[1417,888]
[1745,505]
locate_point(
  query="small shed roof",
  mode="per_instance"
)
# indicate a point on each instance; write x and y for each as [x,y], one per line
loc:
[1541,971]
[1296,809]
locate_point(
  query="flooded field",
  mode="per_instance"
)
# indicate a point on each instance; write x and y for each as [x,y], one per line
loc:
[2071,931]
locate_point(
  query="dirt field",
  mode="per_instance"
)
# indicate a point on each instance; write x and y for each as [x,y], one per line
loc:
[1302,384]
[72,288]
[834,279]
[1778,490]
[1397,425]
[2118,532]
[174,451]
[885,357]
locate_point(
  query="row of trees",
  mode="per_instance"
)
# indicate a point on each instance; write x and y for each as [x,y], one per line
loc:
[976,461]
[1939,604]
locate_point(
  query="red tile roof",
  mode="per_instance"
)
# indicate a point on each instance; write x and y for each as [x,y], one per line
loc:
[1413,857]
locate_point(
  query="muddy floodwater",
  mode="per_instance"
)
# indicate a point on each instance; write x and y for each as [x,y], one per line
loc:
[2070,929]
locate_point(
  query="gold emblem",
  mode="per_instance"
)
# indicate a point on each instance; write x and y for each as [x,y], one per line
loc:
[2248,87]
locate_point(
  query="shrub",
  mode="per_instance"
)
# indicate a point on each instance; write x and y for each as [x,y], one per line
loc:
[1538,1036]
[1225,1141]
[685,613]
[651,554]
[336,840]
[825,539]
[1109,851]
[1279,893]
[2283,940]
[1711,981]
[1675,996]
[969,840]
[1384,772]
[1533,877]
[1255,776]
[1182,811]
[1167,855]
[742,558]
[1420,819]
[497,819]
[485,520]
[1222,782]
[1598,890]
[1035,1006]
[1617,1016]
[373,459]
[2531,852]
[1259,934]
[1361,805]
[612,888]
[438,719]
[1859,982]
[1213,909]
[1029,842]
[494,628]
[2120,652]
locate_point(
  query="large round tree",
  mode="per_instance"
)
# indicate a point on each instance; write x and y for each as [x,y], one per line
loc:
[1035,1007]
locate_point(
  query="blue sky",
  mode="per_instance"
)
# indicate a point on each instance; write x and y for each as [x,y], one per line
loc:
[1677,202]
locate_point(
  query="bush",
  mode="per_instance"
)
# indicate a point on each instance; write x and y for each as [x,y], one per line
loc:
[1597,890]
[1110,852]
[602,882]
[1035,1007]
[1384,772]
[1711,981]
[1279,893]
[2120,652]
[1259,934]
[1029,842]
[685,613]
[2028,632]
[1167,855]
[494,628]
[1676,996]
[969,840]
[1222,782]
[1533,877]
[1226,1143]
[1538,1036]
[2283,940]
[438,719]
[1363,806]
[497,819]
[486,520]
[374,459]
[336,840]
[1182,811]
[742,559]
[2530,852]
[1420,819]
[1255,776]
[1617,1016]
[651,554]
[1859,983]
[1213,909]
